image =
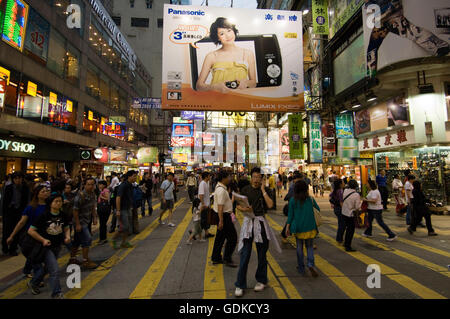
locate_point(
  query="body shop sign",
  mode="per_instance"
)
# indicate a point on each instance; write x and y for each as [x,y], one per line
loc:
[13,146]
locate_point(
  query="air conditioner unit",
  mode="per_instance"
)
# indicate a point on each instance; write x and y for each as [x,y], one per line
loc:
[426,89]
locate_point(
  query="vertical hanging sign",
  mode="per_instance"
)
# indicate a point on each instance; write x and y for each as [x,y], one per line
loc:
[315,138]
[320,16]
[295,136]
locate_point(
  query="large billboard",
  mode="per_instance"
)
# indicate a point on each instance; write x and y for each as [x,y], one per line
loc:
[406,30]
[232,59]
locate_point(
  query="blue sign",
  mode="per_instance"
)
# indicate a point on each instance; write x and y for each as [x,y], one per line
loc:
[182,130]
[146,103]
[192,115]
[344,125]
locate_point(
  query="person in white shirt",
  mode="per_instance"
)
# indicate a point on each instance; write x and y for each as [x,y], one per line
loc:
[375,210]
[397,188]
[114,181]
[408,196]
[223,206]
[352,202]
[204,196]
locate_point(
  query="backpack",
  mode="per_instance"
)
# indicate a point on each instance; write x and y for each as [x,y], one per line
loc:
[138,195]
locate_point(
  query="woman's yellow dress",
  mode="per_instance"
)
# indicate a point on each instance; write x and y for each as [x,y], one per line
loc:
[228,71]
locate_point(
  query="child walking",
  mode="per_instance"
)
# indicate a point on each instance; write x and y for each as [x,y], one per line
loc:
[196,220]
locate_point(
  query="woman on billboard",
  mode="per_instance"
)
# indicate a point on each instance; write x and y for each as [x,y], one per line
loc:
[231,67]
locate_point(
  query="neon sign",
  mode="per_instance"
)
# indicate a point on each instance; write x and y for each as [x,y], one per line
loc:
[15,21]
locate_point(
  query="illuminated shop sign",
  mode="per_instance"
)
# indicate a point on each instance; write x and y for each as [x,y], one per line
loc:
[184,130]
[14,23]
[13,146]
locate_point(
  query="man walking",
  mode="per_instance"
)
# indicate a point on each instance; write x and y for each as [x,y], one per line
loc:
[225,229]
[147,187]
[124,204]
[84,210]
[191,186]
[254,228]
[15,200]
[167,198]
[204,196]
[381,180]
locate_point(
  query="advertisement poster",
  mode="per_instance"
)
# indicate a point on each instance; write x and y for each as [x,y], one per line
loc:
[295,136]
[116,156]
[38,35]
[348,148]
[362,122]
[341,11]
[182,141]
[344,125]
[407,30]
[147,155]
[315,138]
[2,92]
[398,112]
[184,130]
[284,143]
[192,115]
[255,62]
[329,139]
[320,16]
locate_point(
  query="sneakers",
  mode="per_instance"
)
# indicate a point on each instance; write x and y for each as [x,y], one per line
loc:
[34,290]
[365,235]
[259,287]
[239,292]
[161,222]
[58,296]
[391,238]
[189,242]
[171,225]
[126,245]
[89,264]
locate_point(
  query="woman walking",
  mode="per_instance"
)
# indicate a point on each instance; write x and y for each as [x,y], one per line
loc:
[302,224]
[103,210]
[375,210]
[351,203]
[336,199]
[420,210]
[397,188]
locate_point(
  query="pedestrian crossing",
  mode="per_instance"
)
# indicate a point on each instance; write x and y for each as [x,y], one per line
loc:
[161,265]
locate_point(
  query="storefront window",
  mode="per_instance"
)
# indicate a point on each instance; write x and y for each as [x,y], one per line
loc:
[73,65]
[92,81]
[92,121]
[56,53]
[30,101]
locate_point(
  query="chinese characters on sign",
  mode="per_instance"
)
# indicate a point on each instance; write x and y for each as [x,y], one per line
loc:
[295,136]
[344,125]
[387,140]
[320,16]
[315,138]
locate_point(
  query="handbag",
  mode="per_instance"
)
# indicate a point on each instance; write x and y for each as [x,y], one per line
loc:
[212,217]
[361,219]
[364,206]
[33,250]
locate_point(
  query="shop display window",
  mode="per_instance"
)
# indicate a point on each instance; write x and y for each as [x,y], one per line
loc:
[92,121]
[92,80]
[73,65]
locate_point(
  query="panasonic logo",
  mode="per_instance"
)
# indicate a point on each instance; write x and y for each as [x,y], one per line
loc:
[187,12]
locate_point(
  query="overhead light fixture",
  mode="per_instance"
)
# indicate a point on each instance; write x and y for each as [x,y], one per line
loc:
[371,97]
[305,12]
[355,104]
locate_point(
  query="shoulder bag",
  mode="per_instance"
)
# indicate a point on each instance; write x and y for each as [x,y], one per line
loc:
[163,204]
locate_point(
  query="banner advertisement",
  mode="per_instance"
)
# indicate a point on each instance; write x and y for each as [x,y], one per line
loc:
[406,30]
[295,136]
[179,158]
[38,35]
[341,11]
[348,148]
[184,130]
[315,138]
[362,122]
[329,139]
[284,143]
[182,141]
[2,92]
[146,103]
[344,125]
[320,16]
[255,64]
[147,155]
[117,156]
[14,23]
[182,150]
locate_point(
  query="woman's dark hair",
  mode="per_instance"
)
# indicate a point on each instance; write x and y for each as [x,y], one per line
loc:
[221,23]
[196,203]
[103,183]
[34,198]
[417,186]
[396,176]
[301,191]
[337,184]
[372,185]
[353,184]
[51,198]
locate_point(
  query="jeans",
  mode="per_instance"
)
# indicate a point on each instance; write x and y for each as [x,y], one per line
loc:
[51,266]
[149,202]
[310,254]
[103,216]
[341,224]
[228,232]
[349,230]
[315,189]
[82,238]
[28,267]
[246,252]
[408,214]
[377,214]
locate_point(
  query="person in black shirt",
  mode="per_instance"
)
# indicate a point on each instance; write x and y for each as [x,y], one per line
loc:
[148,183]
[51,229]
